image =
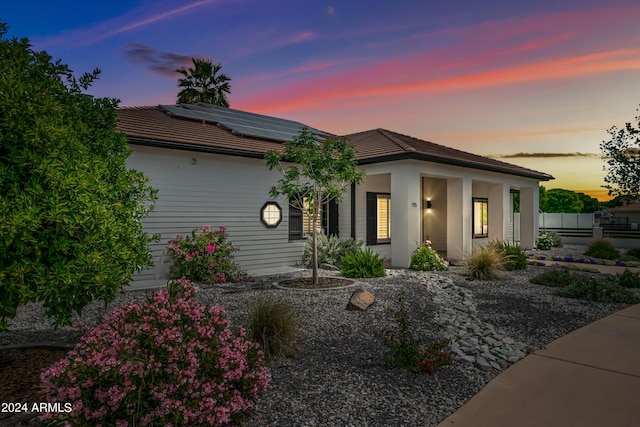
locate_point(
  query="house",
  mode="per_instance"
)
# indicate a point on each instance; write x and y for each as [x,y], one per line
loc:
[207,163]
[628,213]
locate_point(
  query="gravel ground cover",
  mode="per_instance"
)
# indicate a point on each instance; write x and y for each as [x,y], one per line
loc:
[337,375]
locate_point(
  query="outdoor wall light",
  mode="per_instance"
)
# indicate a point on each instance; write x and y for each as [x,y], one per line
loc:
[428,204]
[271,214]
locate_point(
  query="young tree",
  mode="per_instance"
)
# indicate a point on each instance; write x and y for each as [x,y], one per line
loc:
[202,83]
[622,157]
[320,170]
[70,210]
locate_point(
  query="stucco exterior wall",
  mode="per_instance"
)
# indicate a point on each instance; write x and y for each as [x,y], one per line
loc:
[462,184]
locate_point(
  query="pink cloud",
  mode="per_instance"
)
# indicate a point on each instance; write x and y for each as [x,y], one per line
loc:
[297,38]
[311,67]
[516,51]
[381,80]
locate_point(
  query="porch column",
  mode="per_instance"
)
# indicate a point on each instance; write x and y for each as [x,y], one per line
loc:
[405,216]
[458,218]
[529,216]
[499,211]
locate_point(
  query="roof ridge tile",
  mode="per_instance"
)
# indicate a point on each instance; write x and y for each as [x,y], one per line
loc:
[389,135]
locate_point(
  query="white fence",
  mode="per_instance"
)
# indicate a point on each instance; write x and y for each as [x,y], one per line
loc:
[566,220]
[577,229]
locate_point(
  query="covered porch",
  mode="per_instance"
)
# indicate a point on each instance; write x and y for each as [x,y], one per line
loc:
[402,203]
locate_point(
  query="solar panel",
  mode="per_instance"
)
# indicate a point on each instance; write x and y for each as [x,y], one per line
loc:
[242,122]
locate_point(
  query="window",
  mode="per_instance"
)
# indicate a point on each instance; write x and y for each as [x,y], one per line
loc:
[307,219]
[271,214]
[480,217]
[378,218]
[300,223]
[295,223]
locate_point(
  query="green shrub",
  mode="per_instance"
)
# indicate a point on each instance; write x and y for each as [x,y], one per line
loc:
[204,257]
[557,239]
[598,290]
[545,241]
[628,279]
[634,252]
[513,258]
[330,249]
[273,325]
[602,248]
[406,350]
[70,204]
[362,264]
[555,277]
[485,264]
[425,258]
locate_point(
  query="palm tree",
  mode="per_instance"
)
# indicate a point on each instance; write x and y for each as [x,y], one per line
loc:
[202,83]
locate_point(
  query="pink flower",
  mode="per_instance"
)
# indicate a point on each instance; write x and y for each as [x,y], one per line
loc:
[161,351]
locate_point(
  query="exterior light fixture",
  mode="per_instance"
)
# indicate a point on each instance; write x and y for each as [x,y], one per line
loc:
[271,214]
[428,204]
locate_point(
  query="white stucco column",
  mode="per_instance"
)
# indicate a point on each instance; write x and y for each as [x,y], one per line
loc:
[529,217]
[499,211]
[405,215]
[458,218]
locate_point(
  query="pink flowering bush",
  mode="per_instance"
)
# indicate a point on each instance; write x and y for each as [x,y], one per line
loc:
[204,257]
[169,361]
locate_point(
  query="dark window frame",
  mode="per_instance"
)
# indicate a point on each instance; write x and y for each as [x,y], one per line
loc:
[484,232]
[262,215]
[329,220]
[372,219]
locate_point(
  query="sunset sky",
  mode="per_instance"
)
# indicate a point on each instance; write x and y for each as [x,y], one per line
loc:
[532,83]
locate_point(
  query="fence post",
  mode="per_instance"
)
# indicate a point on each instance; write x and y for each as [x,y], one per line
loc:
[597,232]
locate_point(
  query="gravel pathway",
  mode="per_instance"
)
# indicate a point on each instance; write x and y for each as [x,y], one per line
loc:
[338,377]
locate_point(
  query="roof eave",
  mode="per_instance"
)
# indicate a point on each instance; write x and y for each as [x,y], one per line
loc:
[192,147]
[453,162]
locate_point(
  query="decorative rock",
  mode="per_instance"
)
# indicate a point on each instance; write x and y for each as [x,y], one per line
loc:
[482,364]
[470,338]
[329,267]
[361,299]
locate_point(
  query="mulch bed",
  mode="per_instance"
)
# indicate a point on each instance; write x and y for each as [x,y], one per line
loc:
[323,283]
[20,370]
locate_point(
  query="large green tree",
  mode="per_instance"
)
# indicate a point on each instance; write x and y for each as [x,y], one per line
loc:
[317,171]
[543,197]
[204,83]
[622,157]
[70,209]
[589,204]
[561,200]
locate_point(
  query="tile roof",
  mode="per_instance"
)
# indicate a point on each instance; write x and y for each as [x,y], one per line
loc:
[629,207]
[153,126]
[379,145]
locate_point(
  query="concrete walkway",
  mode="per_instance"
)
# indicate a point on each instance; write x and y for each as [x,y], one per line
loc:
[588,378]
[606,269]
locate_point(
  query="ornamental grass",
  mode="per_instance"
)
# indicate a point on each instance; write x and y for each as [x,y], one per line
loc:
[485,264]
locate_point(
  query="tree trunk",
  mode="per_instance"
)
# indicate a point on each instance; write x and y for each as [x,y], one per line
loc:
[314,243]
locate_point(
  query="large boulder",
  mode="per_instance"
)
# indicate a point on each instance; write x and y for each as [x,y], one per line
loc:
[361,299]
